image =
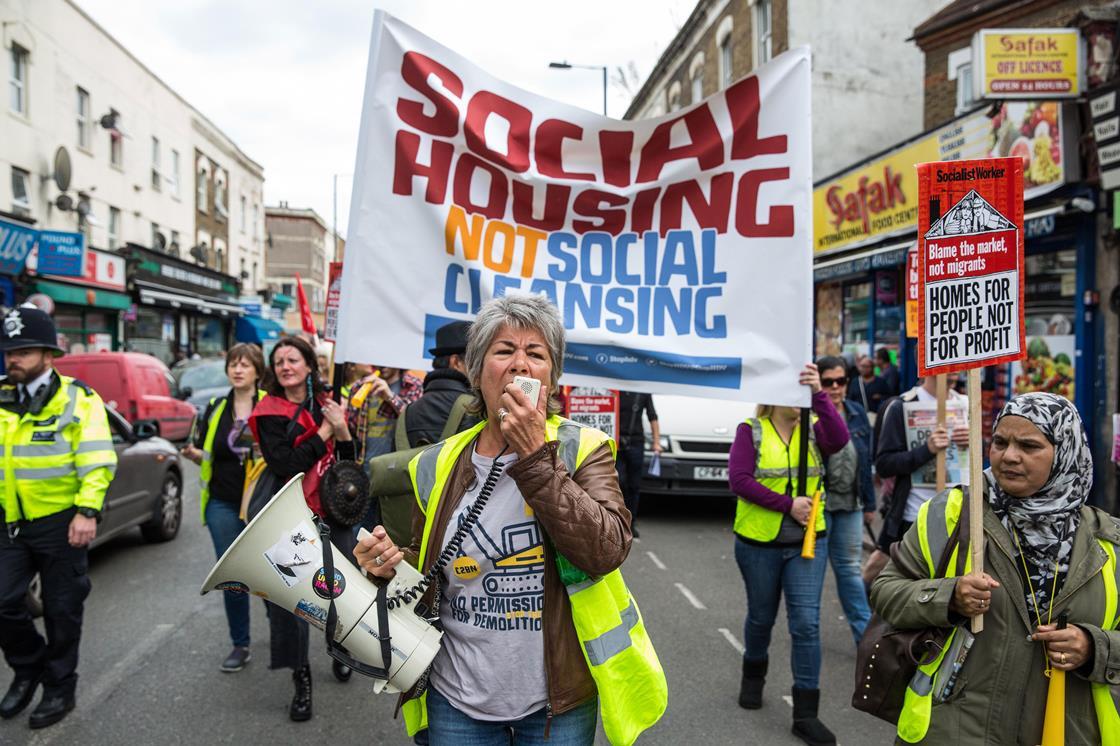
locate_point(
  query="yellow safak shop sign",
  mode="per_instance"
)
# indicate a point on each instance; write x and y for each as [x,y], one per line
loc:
[872,202]
[1028,63]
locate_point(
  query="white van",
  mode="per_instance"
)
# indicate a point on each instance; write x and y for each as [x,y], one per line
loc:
[696,437]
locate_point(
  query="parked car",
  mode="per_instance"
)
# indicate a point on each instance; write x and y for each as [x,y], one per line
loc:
[696,437]
[146,492]
[138,386]
[200,381]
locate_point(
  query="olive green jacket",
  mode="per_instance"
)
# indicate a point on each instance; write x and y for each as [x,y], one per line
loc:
[1000,697]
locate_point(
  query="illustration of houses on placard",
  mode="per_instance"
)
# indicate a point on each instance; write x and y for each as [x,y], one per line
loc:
[972,214]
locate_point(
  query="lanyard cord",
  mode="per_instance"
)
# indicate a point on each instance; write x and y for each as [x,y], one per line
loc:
[1034,598]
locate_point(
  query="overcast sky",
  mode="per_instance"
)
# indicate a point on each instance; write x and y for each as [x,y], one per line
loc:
[284,78]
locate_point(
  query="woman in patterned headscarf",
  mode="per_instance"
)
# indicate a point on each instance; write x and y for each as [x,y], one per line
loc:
[1049,559]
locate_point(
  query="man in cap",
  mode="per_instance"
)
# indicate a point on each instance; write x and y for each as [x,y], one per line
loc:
[446,382]
[60,453]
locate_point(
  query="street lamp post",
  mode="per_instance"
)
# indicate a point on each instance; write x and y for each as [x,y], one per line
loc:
[568,66]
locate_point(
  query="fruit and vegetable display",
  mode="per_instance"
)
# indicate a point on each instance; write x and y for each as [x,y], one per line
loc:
[1041,372]
[1031,132]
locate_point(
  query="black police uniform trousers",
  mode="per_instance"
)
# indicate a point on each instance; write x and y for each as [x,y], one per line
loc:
[42,546]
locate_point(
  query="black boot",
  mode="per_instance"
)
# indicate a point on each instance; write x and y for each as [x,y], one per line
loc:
[750,690]
[300,708]
[19,695]
[806,725]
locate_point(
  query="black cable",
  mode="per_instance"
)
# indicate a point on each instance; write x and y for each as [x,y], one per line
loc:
[411,594]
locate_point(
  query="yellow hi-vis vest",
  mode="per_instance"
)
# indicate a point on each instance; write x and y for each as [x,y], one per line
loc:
[936,520]
[633,692]
[775,468]
[63,456]
[206,470]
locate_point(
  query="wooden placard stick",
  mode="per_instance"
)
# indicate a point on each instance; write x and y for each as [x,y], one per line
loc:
[976,483]
[942,393]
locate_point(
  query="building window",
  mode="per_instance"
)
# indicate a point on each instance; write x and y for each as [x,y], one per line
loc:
[256,222]
[173,247]
[83,119]
[726,61]
[220,210]
[959,66]
[698,87]
[116,149]
[286,288]
[244,213]
[21,192]
[17,81]
[254,275]
[114,228]
[763,30]
[675,96]
[203,189]
[219,255]
[696,78]
[174,179]
[158,241]
[156,177]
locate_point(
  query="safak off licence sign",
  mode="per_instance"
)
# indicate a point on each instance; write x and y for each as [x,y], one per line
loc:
[970,264]
[1029,63]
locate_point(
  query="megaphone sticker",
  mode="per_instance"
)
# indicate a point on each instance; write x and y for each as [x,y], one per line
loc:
[311,613]
[232,585]
[319,584]
[292,554]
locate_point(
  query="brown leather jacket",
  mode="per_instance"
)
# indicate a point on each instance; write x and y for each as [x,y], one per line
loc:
[584,518]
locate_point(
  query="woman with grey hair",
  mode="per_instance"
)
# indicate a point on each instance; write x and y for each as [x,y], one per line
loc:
[521,526]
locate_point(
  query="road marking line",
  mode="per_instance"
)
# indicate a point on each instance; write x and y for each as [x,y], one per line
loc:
[656,561]
[732,639]
[692,599]
[788,699]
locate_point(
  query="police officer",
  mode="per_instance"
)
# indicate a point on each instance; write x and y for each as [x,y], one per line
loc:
[57,463]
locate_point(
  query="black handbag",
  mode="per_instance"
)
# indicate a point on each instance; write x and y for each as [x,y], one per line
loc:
[887,658]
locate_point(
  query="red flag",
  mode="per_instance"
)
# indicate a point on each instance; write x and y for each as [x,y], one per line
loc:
[305,319]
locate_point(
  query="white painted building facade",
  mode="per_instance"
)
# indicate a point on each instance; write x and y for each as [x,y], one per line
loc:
[134,145]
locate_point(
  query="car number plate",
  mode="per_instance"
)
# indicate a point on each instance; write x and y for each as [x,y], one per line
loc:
[714,473]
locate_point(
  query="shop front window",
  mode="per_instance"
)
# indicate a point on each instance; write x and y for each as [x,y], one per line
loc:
[152,332]
[211,338]
[889,311]
[857,319]
[829,319]
[1051,340]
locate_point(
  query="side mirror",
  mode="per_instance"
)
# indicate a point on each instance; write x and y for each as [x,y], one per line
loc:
[185,393]
[144,429]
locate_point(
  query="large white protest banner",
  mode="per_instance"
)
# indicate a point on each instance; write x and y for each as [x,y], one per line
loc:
[677,249]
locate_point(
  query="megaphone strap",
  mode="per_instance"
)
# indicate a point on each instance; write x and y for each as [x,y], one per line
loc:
[334,649]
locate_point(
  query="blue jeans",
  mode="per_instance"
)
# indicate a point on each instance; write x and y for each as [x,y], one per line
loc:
[845,551]
[768,572]
[225,526]
[450,727]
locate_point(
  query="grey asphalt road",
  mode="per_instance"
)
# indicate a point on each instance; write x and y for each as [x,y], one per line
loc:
[152,646]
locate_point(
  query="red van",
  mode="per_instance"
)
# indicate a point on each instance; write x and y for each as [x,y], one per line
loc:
[138,386]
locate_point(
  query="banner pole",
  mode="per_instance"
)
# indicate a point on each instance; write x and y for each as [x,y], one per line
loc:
[975,483]
[942,393]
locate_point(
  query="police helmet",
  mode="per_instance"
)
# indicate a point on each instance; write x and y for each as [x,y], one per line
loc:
[27,327]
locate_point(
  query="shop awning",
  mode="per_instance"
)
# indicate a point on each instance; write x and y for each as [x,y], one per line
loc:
[76,295]
[159,296]
[258,330]
[280,300]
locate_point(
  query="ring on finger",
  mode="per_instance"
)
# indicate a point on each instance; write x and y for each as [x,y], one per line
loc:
[502,414]
[378,561]
[1062,658]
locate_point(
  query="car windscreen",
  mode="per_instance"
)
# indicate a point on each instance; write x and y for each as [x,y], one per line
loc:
[206,376]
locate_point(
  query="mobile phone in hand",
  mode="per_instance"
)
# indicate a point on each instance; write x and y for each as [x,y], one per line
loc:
[531,387]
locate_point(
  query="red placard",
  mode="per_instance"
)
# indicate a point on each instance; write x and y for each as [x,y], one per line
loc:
[912,289]
[970,264]
[593,407]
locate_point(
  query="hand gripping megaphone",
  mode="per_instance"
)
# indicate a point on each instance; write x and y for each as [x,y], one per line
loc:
[279,557]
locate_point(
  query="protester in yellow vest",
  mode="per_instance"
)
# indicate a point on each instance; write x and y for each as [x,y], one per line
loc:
[1048,556]
[58,460]
[223,446]
[770,518]
[540,631]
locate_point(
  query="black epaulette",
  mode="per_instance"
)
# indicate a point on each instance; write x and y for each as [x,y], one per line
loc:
[83,386]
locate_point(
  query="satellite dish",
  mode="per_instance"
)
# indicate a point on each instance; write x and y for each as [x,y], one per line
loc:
[160,241]
[64,202]
[41,301]
[62,170]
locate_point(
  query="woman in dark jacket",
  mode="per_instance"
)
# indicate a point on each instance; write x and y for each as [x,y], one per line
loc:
[299,429]
[220,449]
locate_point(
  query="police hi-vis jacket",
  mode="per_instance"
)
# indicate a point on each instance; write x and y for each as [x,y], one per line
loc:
[57,457]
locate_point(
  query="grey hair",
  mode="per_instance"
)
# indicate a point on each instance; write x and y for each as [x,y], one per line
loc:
[519,311]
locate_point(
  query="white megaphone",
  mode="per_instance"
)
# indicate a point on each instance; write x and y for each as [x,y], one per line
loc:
[279,557]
